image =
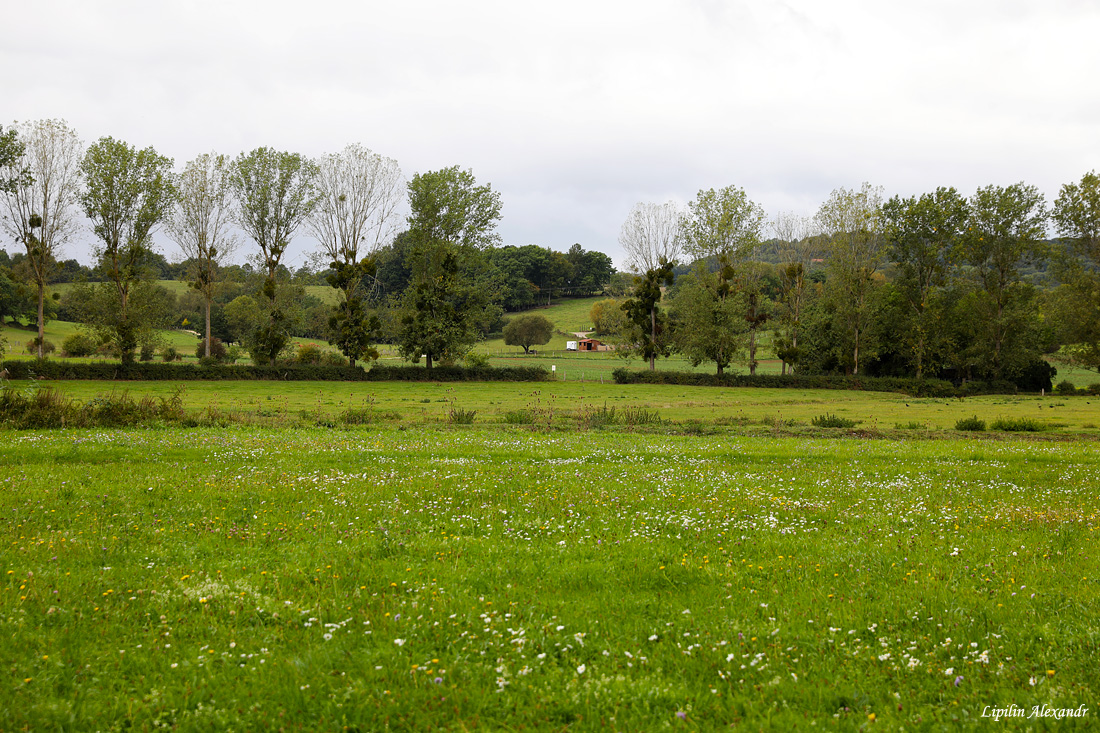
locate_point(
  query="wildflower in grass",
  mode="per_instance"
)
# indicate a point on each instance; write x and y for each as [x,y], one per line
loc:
[399,642]
[958,680]
[1032,681]
[581,669]
[949,671]
[681,715]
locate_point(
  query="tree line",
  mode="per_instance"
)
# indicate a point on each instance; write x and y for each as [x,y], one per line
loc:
[940,284]
[432,282]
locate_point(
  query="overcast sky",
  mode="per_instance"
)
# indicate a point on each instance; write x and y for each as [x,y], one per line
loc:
[575,111]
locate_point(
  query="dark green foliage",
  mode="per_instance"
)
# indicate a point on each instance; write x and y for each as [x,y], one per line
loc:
[913,387]
[79,344]
[352,329]
[972,424]
[650,335]
[217,349]
[527,330]
[154,371]
[1065,387]
[169,354]
[829,420]
[48,346]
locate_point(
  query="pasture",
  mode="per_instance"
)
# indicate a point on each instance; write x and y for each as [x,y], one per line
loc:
[413,574]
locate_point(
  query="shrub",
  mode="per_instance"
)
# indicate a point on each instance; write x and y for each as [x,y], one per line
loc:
[832,421]
[911,425]
[458,416]
[1018,425]
[148,350]
[1065,387]
[48,346]
[217,349]
[476,360]
[169,354]
[78,344]
[970,423]
[331,358]
[309,354]
[233,354]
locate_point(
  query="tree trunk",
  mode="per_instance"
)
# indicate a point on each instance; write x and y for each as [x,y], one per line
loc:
[653,339]
[208,326]
[41,319]
[752,352]
[429,360]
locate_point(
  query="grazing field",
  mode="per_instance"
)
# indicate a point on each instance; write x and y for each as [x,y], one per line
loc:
[508,577]
[567,404]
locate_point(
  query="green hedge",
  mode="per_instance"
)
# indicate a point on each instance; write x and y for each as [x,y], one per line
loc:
[155,371]
[911,387]
[412,373]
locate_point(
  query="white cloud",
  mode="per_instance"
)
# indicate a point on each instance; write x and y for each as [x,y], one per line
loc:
[576,110]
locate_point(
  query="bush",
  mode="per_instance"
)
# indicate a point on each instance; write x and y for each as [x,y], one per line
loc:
[1018,425]
[309,354]
[972,424]
[832,421]
[911,425]
[331,358]
[233,354]
[47,346]
[148,351]
[79,344]
[169,354]
[458,416]
[1065,387]
[217,349]
[476,360]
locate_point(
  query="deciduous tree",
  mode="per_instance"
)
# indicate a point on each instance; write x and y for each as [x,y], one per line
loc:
[275,193]
[923,237]
[796,244]
[127,194]
[852,223]
[724,224]
[652,237]
[41,212]
[450,296]
[201,224]
[527,330]
[1005,229]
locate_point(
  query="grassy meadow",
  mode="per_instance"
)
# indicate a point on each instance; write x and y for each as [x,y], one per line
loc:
[425,577]
[565,555]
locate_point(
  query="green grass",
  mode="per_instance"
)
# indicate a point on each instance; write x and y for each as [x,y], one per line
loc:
[685,407]
[501,578]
